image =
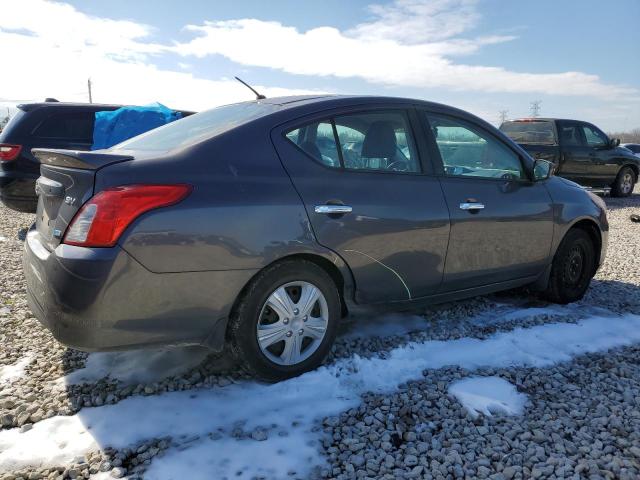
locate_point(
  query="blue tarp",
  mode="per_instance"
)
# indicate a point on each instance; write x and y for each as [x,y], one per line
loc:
[113,127]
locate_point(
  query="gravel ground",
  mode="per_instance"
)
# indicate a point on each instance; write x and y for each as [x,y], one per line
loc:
[582,420]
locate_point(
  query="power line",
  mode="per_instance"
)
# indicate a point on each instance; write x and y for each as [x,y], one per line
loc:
[504,115]
[534,108]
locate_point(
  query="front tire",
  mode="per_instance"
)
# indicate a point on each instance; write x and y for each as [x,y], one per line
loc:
[286,321]
[625,181]
[574,265]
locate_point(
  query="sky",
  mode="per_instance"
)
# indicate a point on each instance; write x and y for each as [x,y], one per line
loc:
[579,58]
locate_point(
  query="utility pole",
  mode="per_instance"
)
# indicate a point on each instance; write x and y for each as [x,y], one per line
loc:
[534,108]
[89,85]
[504,114]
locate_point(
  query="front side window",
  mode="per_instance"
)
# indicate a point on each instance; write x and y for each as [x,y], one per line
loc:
[378,141]
[594,137]
[470,151]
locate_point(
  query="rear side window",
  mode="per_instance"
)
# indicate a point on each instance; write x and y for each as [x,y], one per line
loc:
[570,134]
[318,141]
[374,141]
[68,126]
[530,131]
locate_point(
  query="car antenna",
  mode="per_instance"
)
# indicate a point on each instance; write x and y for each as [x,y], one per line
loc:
[259,96]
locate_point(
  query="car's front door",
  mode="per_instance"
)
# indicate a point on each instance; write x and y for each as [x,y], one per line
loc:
[501,221]
[577,157]
[370,199]
[603,166]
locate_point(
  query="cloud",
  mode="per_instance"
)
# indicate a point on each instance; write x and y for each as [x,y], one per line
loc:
[56,48]
[408,43]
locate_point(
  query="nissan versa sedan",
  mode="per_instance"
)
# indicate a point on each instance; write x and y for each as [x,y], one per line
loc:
[259,225]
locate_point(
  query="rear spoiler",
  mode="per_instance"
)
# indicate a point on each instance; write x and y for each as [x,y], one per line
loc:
[84,160]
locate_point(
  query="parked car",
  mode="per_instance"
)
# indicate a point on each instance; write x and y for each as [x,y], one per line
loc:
[632,147]
[580,151]
[50,124]
[245,226]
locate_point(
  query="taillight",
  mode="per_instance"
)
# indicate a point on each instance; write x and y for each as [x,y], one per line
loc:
[101,221]
[9,152]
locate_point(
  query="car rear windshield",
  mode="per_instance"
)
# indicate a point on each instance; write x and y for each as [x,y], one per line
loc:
[530,131]
[195,128]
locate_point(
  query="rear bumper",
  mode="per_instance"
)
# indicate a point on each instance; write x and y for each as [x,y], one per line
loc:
[102,299]
[17,190]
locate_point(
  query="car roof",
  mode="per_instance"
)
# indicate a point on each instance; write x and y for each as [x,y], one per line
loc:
[28,107]
[544,119]
[339,100]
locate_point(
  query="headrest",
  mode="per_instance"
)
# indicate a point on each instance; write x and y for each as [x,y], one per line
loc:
[379,141]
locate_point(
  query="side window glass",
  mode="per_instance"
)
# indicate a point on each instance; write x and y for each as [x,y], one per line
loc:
[594,137]
[318,141]
[470,151]
[570,135]
[68,126]
[380,141]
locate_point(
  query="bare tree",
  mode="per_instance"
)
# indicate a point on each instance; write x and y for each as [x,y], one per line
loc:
[632,136]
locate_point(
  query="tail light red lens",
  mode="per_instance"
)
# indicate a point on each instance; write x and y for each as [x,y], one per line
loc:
[101,221]
[9,152]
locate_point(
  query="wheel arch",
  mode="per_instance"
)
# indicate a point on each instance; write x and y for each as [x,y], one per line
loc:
[336,269]
[591,227]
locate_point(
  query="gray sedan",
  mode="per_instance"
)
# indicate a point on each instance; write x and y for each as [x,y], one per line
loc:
[259,225]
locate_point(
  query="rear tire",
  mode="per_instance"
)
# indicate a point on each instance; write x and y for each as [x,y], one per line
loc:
[625,181]
[294,336]
[574,265]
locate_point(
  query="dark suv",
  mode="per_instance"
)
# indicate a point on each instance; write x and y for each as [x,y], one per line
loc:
[50,124]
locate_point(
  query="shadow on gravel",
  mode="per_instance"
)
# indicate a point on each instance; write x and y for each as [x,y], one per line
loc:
[632,201]
[613,294]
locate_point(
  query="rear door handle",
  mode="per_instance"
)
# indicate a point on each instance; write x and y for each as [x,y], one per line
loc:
[333,209]
[471,206]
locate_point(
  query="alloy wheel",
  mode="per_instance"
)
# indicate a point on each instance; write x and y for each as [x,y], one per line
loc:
[626,184]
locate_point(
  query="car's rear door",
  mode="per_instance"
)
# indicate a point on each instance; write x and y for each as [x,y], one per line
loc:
[501,222]
[370,197]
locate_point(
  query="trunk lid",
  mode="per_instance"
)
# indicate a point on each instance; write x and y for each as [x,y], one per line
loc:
[65,184]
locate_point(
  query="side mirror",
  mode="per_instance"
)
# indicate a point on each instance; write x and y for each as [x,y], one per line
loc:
[542,169]
[614,142]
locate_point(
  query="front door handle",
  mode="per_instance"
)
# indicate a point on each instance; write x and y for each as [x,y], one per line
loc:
[333,209]
[471,206]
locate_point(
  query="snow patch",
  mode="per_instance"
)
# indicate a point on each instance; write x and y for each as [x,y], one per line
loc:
[11,373]
[137,366]
[488,395]
[292,406]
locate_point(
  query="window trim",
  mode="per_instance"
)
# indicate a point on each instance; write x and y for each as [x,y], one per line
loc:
[433,145]
[330,115]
